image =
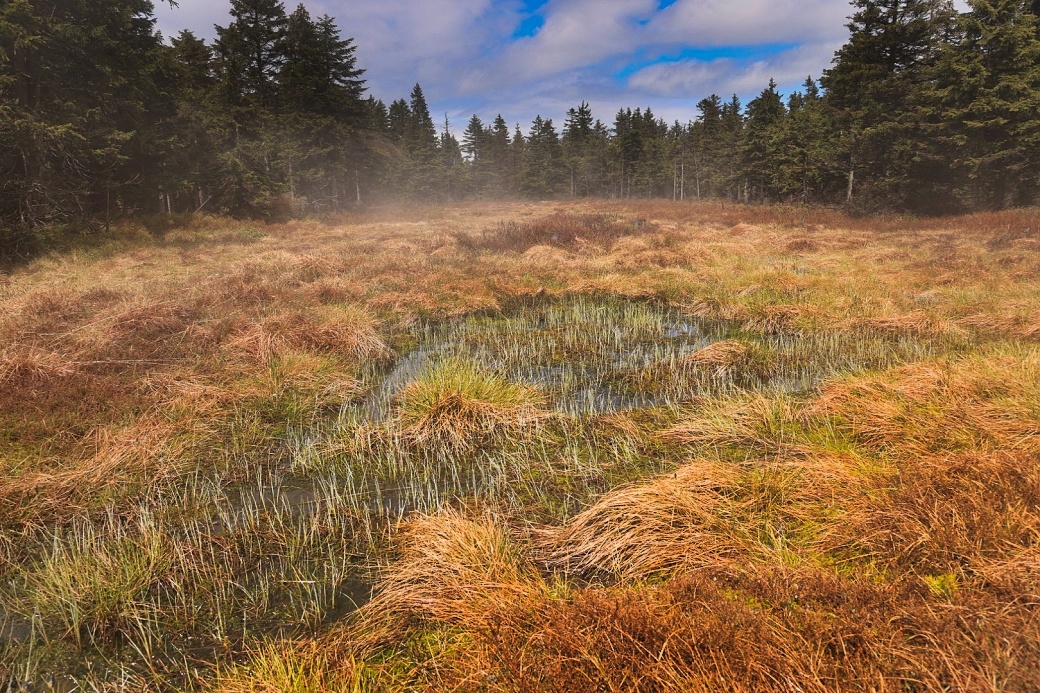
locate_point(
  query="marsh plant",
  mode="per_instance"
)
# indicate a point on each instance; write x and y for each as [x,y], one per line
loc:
[504,447]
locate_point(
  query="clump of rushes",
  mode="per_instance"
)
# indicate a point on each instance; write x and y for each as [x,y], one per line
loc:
[348,332]
[32,365]
[279,667]
[95,583]
[571,231]
[456,403]
[731,359]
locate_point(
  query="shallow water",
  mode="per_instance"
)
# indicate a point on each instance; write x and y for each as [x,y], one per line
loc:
[577,351]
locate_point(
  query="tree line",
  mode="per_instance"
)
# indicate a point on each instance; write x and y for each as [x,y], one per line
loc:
[924,109]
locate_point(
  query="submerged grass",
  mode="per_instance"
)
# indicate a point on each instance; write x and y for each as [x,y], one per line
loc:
[591,446]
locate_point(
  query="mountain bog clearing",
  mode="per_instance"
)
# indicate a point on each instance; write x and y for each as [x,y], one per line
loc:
[525,447]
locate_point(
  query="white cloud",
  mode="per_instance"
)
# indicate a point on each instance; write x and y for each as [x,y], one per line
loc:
[696,79]
[463,53]
[749,22]
[197,15]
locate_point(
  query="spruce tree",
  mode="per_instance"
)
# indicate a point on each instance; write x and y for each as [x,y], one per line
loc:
[987,87]
[765,118]
[252,50]
[80,93]
[873,89]
[579,149]
[543,160]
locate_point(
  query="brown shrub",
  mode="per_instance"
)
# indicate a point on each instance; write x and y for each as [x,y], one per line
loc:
[560,230]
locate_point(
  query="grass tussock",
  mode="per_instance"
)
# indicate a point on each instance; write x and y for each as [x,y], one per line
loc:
[96,586]
[935,407]
[954,515]
[761,448]
[643,530]
[456,403]
[351,334]
[288,668]
[759,630]
[32,366]
[453,570]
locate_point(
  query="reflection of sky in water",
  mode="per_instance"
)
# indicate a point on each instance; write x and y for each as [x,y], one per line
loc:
[592,356]
[577,351]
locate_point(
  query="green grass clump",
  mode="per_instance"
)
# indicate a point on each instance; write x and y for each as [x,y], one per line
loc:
[456,402]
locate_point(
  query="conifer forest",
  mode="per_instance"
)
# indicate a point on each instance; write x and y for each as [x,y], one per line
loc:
[923,110]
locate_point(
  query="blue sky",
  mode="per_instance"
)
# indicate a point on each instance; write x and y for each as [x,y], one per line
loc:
[528,57]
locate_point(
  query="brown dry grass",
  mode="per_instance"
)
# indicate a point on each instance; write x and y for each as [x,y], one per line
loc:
[880,534]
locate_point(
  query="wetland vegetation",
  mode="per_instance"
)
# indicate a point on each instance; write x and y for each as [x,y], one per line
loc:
[526,447]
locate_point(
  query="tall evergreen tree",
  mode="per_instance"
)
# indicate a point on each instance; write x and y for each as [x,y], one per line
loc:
[873,88]
[79,96]
[543,160]
[988,91]
[252,50]
[765,118]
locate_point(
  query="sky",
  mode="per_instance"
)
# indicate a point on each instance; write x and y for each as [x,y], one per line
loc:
[523,58]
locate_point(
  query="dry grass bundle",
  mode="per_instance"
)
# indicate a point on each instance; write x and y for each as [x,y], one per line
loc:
[132,457]
[755,422]
[639,531]
[560,230]
[457,404]
[919,324]
[947,515]
[453,570]
[983,403]
[778,319]
[26,366]
[730,357]
[762,630]
[347,332]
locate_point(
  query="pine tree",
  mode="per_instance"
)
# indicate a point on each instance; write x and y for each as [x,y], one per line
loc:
[765,118]
[502,167]
[79,96]
[252,50]
[706,145]
[732,138]
[988,91]
[578,149]
[543,160]
[189,167]
[800,152]
[873,88]
[474,145]
[420,135]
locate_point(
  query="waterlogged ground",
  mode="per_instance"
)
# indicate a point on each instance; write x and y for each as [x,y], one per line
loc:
[593,355]
[520,449]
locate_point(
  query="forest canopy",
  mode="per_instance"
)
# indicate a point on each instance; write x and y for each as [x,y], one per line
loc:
[923,110]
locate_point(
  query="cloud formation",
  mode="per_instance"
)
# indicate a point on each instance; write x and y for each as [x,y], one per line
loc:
[470,55]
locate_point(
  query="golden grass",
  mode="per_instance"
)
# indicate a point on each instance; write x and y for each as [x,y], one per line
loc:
[878,533]
[637,532]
